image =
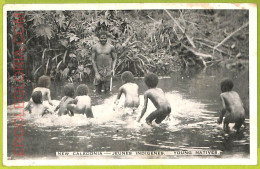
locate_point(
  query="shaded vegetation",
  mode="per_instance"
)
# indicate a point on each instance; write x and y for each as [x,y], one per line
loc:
[58,43]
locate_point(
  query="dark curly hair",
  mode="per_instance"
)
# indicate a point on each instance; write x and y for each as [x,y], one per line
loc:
[82,90]
[151,80]
[69,90]
[44,81]
[226,85]
[102,33]
[127,76]
[37,97]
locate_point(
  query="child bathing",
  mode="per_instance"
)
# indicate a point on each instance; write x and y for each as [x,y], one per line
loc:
[82,103]
[44,83]
[130,90]
[36,106]
[157,96]
[67,99]
[233,108]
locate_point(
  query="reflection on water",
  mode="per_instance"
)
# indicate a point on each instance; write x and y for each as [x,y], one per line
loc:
[194,99]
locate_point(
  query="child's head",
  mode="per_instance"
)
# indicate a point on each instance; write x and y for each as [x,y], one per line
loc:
[44,81]
[226,85]
[82,90]
[151,80]
[69,90]
[37,97]
[127,77]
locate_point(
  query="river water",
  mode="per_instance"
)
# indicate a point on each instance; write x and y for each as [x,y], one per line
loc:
[194,98]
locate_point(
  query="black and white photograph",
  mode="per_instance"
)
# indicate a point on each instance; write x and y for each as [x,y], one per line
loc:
[130,84]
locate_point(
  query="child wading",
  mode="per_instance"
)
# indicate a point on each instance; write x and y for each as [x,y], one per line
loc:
[157,97]
[130,89]
[67,99]
[233,109]
[82,103]
[44,83]
[36,106]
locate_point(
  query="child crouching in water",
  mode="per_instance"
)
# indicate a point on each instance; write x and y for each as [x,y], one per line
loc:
[67,99]
[130,90]
[44,83]
[233,109]
[82,103]
[157,97]
[36,106]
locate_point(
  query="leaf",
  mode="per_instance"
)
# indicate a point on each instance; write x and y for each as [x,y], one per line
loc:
[64,42]
[72,55]
[56,56]
[44,30]
[64,56]
[73,37]
[65,72]
[47,66]
[43,55]
[87,70]
[61,20]
[37,19]
[58,65]
[37,70]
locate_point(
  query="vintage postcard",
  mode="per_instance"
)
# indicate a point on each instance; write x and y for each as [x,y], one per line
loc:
[130,84]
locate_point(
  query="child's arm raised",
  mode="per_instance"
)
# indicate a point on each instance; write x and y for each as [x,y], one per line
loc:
[49,97]
[144,107]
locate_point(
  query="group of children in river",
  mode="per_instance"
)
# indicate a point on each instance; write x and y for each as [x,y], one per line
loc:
[232,110]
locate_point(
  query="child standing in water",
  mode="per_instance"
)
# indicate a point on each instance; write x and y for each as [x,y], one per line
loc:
[67,99]
[130,90]
[157,97]
[82,103]
[36,106]
[44,83]
[233,109]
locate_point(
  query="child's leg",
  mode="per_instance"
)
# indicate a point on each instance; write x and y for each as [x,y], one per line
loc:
[226,122]
[162,115]
[239,123]
[89,113]
[152,116]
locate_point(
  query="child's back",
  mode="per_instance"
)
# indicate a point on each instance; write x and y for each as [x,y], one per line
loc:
[63,105]
[37,106]
[82,103]
[45,93]
[130,90]
[234,106]
[67,99]
[158,98]
[38,109]
[131,94]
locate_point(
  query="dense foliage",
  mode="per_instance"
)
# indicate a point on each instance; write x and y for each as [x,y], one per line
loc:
[58,43]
